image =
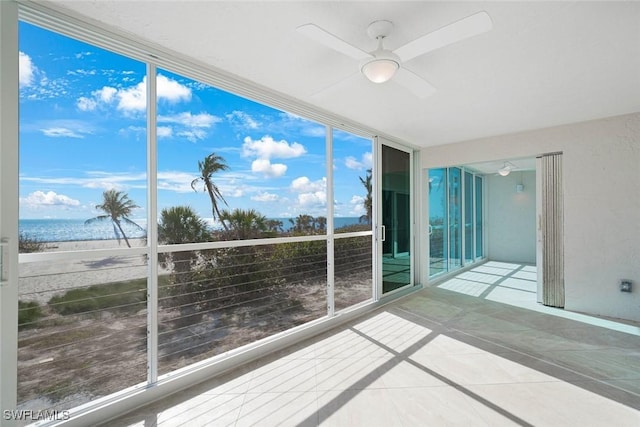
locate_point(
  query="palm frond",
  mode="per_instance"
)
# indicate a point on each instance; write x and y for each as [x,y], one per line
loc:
[98,218]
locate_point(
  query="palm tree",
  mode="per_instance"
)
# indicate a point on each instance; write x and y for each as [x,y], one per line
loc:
[180,224]
[303,224]
[274,226]
[320,223]
[244,224]
[117,207]
[368,202]
[210,165]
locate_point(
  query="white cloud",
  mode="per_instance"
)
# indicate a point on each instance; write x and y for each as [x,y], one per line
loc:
[367,159]
[265,167]
[86,104]
[202,120]
[193,135]
[267,148]
[61,133]
[164,131]
[106,94]
[300,124]
[180,182]
[242,119]
[64,128]
[265,197]
[357,205]
[95,179]
[50,198]
[191,126]
[82,55]
[27,69]
[171,90]
[310,193]
[318,198]
[134,98]
[353,163]
[304,184]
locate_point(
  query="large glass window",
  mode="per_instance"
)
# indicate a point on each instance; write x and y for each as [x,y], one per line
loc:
[232,175]
[248,170]
[352,186]
[82,321]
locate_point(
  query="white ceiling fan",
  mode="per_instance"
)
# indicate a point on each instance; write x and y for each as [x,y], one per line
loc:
[382,64]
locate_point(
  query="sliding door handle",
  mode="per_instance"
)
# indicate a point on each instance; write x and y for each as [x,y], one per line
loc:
[384,233]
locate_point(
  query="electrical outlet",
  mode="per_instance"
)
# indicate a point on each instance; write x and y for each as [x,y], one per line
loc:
[625,285]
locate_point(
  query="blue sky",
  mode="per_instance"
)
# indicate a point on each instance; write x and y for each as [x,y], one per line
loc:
[83,131]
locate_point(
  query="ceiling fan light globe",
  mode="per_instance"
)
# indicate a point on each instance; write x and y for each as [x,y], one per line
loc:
[380,70]
[504,171]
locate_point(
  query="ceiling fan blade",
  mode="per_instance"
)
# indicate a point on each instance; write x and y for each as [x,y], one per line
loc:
[466,27]
[329,40]
[342,84]
[416,84]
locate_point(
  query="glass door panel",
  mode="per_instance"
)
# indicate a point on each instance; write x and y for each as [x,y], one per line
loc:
[468,218]
[438,220]
[396,218]
[455,218]
[479,219]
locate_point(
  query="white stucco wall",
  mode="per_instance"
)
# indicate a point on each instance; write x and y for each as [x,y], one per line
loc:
[511,217]
[602,203]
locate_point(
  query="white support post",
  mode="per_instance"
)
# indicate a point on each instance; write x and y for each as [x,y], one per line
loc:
[152,228]
[376,214]
[330,224]
[9,128]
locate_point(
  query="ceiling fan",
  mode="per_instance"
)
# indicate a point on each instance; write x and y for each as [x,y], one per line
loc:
[382,64]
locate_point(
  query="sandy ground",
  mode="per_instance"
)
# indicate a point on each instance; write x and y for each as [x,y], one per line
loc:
[39,281]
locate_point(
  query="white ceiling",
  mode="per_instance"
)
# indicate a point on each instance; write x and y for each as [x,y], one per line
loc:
[542,64]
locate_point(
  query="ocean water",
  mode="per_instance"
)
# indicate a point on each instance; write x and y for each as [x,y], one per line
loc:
[66,230]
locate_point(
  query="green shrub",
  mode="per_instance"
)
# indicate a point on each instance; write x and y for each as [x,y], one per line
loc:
[28,244]
[129,296]
[29,312]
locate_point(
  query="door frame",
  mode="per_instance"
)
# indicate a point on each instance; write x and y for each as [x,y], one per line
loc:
[377,216]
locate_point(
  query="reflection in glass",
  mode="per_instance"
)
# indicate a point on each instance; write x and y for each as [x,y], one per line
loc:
[479,219]
[468,217]
[396,208]
[455,218]
[438,219]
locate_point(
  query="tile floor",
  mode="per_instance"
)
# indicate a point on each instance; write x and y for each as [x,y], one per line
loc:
[461,354]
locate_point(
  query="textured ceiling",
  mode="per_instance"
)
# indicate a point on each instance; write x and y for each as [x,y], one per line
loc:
[543,63]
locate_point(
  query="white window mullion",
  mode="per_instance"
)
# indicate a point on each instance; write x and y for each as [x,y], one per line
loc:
[330,225]
[152,229]
[9,105]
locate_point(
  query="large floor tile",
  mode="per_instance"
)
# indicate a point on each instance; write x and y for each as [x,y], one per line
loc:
[558,404]
[372,408]
[279,409]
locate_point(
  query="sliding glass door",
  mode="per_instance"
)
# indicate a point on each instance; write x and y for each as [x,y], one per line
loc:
[455,219]
[438,222]
[395,222]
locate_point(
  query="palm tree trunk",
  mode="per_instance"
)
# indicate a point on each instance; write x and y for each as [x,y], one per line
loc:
[122,232]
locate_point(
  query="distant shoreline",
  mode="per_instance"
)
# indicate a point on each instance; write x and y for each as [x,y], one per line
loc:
[59,230]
